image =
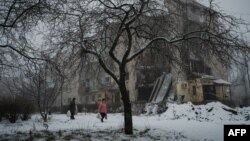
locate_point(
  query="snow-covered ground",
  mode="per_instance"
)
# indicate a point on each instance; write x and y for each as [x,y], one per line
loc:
[179,122]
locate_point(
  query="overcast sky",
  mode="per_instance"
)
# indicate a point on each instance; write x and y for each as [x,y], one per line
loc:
[237,8]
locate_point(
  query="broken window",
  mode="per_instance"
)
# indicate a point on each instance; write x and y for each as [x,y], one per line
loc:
[148,76]
[199,67]
[194,90]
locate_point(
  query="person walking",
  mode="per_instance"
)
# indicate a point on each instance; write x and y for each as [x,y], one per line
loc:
[102,109]
[72,108]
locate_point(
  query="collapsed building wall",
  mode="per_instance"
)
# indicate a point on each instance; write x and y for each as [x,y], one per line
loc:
[202,89]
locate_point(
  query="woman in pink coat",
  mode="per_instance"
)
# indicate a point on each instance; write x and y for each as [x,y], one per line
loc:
[102,109]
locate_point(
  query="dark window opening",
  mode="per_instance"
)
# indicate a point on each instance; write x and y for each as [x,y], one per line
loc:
[194,90]
[199,67]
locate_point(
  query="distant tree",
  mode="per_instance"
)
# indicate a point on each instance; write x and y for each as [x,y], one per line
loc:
[18,53]
[239,75]
[43,83]
[14,103]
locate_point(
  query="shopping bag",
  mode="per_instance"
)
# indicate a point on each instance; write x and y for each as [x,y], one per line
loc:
[68,113]
[98,115]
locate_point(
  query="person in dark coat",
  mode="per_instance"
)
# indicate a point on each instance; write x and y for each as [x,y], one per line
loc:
[72,108]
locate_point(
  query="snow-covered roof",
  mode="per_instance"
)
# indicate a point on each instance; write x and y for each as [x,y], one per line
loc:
[208,77]
[221,81]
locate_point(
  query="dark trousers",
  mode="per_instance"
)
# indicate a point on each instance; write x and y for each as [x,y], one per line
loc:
[72,115]
[103,115]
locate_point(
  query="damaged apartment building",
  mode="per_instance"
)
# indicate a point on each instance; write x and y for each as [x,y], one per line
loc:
[152,77]
[197,78]
[203,80]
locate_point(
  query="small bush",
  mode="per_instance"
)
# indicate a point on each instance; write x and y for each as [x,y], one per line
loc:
[27,108]
[14,107]
[2,107]
[1,116]
[50,138]
[68,137]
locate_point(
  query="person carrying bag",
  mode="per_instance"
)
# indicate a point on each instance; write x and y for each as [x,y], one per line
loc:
[102,109]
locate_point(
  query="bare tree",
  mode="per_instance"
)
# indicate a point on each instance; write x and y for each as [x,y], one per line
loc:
[43,83]
[17,19]
[114,33]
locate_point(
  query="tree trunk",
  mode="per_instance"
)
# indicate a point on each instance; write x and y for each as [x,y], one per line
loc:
[128,124]
[128,127]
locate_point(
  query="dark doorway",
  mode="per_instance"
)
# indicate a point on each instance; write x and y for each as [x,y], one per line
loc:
[209,92]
